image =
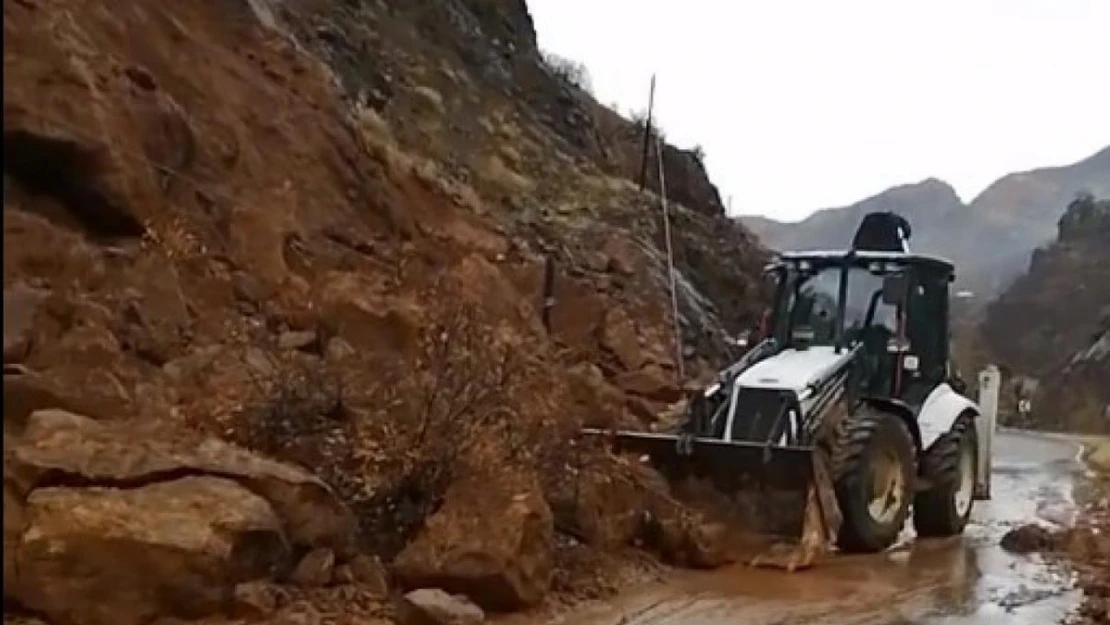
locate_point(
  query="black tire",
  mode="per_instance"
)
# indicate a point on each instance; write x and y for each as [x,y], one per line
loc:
[864,443]
[936,511]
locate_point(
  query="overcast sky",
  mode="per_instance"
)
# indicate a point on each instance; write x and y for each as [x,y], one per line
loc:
[808,104]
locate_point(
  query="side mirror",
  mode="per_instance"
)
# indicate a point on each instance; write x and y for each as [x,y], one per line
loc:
[895,287]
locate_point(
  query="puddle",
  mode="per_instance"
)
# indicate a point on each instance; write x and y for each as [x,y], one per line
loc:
[967,580]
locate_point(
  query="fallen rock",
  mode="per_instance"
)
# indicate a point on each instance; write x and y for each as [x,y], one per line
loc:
[370,572]
[1027,539]
[21,304]
[15,521]
[107,556]
[645,410]
[343,575]
[249,289]
[615,501]
[24,393]
[59,446]
[604,506]
[492,540]
[254,600]
[296,339]
[650,382]
[708,546]
[338,350]
[315,568]
[683,537]
[619,337]
[432,606]
[299,613]
[157,317]
[601,402]
[622,254]
[193,365]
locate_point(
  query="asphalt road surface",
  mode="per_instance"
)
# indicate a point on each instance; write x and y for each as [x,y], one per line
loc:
[959,581]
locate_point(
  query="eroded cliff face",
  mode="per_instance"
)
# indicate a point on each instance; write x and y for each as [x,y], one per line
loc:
[318,230]
[1053,324]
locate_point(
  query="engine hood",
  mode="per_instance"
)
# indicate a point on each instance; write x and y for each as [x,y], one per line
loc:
[794,369]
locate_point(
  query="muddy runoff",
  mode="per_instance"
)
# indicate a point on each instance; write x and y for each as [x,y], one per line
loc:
[963,580]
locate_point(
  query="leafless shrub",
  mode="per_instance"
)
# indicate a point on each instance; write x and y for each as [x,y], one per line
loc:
[389,434]
[574,73]
[698,152]
[639,119]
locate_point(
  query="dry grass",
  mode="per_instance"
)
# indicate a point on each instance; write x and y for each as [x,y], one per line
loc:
[390,434]
[430,99]
[500,175]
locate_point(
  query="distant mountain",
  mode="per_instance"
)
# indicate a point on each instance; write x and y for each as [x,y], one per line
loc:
[990,239]
[1053,324]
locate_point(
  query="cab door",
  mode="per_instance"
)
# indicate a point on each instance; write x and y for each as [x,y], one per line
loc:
[926,365]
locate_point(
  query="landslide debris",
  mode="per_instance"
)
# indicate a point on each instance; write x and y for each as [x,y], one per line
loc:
[273,283]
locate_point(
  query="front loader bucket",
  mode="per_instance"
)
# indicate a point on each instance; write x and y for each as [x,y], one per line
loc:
[781,494]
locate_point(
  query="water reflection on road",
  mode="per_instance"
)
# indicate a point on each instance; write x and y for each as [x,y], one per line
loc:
[961,581]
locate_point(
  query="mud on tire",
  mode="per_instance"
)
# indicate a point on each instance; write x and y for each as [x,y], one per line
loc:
[936,511]
[868,446]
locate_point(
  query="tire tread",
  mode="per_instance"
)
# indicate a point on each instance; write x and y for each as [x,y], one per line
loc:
[852,439]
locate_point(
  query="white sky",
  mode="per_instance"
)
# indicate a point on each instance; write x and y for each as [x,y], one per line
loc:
[807,104]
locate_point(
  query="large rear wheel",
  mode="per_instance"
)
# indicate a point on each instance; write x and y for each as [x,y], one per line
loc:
[874,468]
[950,467]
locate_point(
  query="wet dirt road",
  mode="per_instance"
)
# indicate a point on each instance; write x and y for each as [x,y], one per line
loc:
[961,581]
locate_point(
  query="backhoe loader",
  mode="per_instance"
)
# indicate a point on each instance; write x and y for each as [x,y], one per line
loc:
[845,417]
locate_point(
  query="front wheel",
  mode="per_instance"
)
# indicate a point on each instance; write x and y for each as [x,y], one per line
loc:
[874,468]
[950,467]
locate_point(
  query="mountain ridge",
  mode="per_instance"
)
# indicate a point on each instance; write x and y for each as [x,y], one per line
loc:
[1011,217]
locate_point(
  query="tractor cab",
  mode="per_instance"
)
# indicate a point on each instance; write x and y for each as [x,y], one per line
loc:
[888,308]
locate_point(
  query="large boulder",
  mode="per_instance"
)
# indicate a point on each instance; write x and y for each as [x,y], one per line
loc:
[651,382]
[21,304]
[605,506]
[601,403]
[492,540]
[615,501]
[60,447]
[109,556]
[620,337]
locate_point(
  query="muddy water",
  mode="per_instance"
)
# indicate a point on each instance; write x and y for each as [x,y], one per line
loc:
[961,581]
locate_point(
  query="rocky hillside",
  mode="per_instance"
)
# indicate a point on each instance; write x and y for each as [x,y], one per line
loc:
[1010,218]
[1052,325]
[274,314]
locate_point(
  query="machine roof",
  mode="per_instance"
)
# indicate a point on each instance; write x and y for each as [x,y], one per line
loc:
[863,256]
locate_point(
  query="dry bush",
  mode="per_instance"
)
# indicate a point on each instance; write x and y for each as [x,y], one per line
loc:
[698,152]
[574,73]
[640,120]
[390,435]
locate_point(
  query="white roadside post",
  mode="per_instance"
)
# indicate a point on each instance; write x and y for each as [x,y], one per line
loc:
[990,382]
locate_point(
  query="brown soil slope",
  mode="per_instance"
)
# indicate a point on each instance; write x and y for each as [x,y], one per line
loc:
[319,230]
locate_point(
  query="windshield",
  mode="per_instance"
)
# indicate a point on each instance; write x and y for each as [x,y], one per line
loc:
[813,306]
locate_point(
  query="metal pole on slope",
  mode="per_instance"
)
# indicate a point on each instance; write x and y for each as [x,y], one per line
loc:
[647,135]
[670,262]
